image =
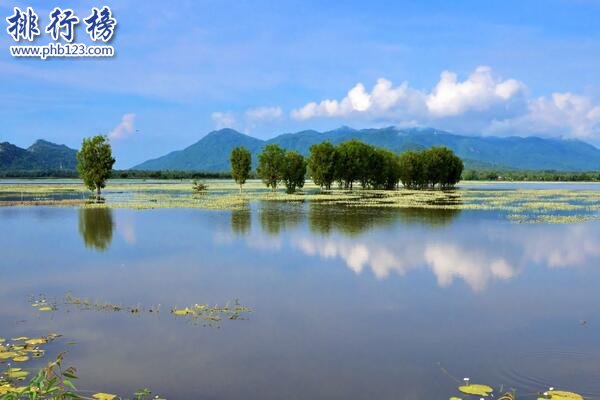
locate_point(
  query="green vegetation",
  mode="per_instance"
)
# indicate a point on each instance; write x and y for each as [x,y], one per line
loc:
[378,168]
[294,171]
[529,176]
[322,163]
[199,187]
[524,205]
[271,162]
[95,162]
[352,161]
[241,164]
[431,167]
[53,381]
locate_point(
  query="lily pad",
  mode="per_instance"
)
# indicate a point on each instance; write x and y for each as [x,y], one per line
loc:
[7,354]
[34,342]
[104,396]
[184,311]
[563,395]
[20,359]
[476,389]
[16,373]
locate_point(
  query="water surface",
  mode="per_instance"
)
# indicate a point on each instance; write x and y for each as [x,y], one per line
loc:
[347,303]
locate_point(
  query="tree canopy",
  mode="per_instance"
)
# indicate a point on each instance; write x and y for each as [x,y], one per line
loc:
[270,165]
[294,171]
[95,162]
[241,163]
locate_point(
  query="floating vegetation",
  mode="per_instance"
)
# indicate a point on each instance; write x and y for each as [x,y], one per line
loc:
[209,315]
[520,205]
[53,382]
[85,304]
[481,391]
[41,304]
[197,312]
[20,350]
[476,389]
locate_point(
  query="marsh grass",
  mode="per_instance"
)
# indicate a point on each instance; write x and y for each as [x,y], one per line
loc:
[547,205]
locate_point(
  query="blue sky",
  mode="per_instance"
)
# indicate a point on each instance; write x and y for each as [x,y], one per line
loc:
[474,67]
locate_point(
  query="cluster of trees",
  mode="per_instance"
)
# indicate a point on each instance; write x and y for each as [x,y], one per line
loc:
[353,161]
[538,176]
[379,168]
[431,167]
[275,165]
[347,163]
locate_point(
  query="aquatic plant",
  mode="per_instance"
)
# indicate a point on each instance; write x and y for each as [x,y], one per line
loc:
[519,206]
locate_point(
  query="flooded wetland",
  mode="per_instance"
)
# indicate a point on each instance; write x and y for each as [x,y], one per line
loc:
[320,295]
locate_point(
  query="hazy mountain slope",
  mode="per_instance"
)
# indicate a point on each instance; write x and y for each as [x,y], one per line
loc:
[211,153]
[40,156]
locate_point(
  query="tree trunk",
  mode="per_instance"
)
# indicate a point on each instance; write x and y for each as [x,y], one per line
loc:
[240,188]
[98,193]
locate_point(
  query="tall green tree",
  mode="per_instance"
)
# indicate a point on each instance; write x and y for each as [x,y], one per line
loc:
[241,163]
[294,171]
[351,162]
[412,172]
[270,165]
[321,164]
[95,162]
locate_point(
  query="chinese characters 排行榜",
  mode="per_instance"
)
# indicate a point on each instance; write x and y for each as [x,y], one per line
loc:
[25,24]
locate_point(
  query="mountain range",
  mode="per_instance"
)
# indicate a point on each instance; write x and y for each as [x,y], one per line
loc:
[211,153]
[40,156]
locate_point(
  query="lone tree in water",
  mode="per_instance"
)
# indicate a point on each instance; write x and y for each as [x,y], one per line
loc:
[271,162]
[241,162]
[94,162]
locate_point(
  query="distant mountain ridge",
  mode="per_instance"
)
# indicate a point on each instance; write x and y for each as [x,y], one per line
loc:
[40,156]
[211,153]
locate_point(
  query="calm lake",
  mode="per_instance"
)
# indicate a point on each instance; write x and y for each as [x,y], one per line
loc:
[347,303]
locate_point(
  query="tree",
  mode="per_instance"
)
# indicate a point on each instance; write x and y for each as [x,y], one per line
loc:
[412,172]
[94,162]
[389,174]
[241,163]
[351,163]
[270,165]
[321,164]
[294,171]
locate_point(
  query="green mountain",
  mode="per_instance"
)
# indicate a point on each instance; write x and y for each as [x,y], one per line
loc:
[211,153]
[40,156]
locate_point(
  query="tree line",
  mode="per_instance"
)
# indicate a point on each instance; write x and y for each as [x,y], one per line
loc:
[347,163]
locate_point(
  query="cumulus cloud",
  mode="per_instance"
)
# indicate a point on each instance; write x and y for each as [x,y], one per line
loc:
[562,114]
[478,92]
[263,114]
[481,102]
[125,128]
[382,98]
[223,120]
[450,97]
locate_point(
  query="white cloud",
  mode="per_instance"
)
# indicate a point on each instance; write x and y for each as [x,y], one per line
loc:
[478,92]
[125,128]
[223,120]
[482,102]
[263,114]
[563,114]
